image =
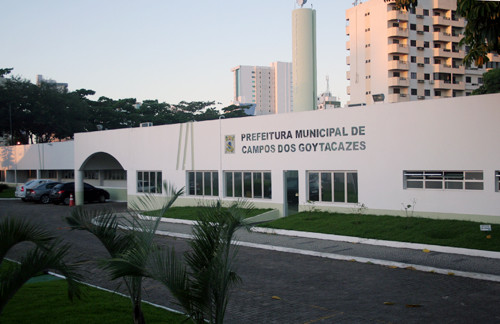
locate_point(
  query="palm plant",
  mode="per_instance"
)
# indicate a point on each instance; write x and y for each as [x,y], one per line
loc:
[48,253]
[202,285]
[128,239]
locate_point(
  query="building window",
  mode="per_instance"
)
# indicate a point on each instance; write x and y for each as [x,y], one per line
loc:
[413,27]
[68,174]
[115,175]
[426,12]
[413,92]
[91,175]
[447,180]
[427,60]
[332,186]
[248,184]
[203,183]
[149,181]
[413,42]
[427,76]
[426,28]
[426,44]
[413,59]
[437,93]
[413,75]
[49,174]
[497,181]
[427,92]
[467,79]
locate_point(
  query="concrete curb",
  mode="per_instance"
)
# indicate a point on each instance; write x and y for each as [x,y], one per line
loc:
[395,244]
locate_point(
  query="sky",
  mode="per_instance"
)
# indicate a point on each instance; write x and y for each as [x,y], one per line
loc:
[161,49]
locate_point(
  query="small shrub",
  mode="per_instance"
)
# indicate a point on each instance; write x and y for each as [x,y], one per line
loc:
[3,186]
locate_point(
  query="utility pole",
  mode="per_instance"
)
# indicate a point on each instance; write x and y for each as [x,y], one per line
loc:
[10,119]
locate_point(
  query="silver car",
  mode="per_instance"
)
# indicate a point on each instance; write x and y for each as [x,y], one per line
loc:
[21,189]
[40,193]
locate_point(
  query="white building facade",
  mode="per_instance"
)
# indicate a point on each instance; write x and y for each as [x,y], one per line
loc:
[269,89]
[408,55]
[440,154]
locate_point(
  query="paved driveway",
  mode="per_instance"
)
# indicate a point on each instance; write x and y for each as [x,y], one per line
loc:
[288,288]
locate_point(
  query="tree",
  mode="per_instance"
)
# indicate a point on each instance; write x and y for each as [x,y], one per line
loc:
[234,111]
[48,253]
[491,83]
[482,32]
[130,241]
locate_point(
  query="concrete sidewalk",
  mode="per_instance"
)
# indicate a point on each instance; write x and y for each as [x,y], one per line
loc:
[476,264]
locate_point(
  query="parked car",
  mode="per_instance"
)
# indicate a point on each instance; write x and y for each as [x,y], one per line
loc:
[41,193]
[61,193]
[21,189]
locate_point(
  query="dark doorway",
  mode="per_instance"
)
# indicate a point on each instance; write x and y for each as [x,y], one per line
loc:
[291,192]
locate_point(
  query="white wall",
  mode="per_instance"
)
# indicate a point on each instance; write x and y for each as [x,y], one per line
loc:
[446,134]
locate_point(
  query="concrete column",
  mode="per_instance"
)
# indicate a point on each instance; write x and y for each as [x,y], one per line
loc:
[304,59]
[38,174]
[78,187]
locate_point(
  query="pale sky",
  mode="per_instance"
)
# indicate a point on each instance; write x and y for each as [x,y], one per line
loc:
[161,49]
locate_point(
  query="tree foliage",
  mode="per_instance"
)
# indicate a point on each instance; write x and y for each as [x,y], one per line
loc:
[48,253]
[491,83]
[44,114]
[482,32]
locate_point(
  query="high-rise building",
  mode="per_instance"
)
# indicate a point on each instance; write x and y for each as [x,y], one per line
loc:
[61,87]
[267,88]
[407,55]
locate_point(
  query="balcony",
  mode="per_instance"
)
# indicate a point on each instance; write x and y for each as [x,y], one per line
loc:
[348,45]
[443,68]
[398,48]
[398,65]
[397,32]
[441,20]
[448,85]
[445,4]
[397,15]
[442,37]
[348,75]
[444,52]
[348,90]
[398,97]
[347,30]
[398,82]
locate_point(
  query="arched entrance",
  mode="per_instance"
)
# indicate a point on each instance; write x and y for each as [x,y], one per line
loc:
[104,171]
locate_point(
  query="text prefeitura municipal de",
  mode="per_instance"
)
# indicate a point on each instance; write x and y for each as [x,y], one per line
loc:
[305,134]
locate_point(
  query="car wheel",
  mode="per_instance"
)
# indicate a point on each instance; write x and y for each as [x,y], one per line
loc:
[66,201]
[44,199]
[102,198]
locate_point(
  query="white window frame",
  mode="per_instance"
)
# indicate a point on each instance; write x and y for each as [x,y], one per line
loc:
[157,189]
[249,194]
[452,180]
[214,183]
[332,188]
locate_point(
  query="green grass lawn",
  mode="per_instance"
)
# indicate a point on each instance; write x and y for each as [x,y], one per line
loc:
[412,229]
[191,213]
[8,193]
[47,302]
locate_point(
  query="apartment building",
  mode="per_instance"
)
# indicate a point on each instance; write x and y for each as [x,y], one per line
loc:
[267,88]
[407,56]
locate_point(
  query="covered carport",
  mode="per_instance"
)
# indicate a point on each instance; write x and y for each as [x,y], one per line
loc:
[102,170]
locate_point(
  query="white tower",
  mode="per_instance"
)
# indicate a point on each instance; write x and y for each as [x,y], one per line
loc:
[304,58]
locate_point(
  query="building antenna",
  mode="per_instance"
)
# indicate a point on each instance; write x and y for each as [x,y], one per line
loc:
[327,83]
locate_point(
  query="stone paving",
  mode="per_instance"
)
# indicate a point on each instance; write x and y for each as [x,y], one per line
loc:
[283,287]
